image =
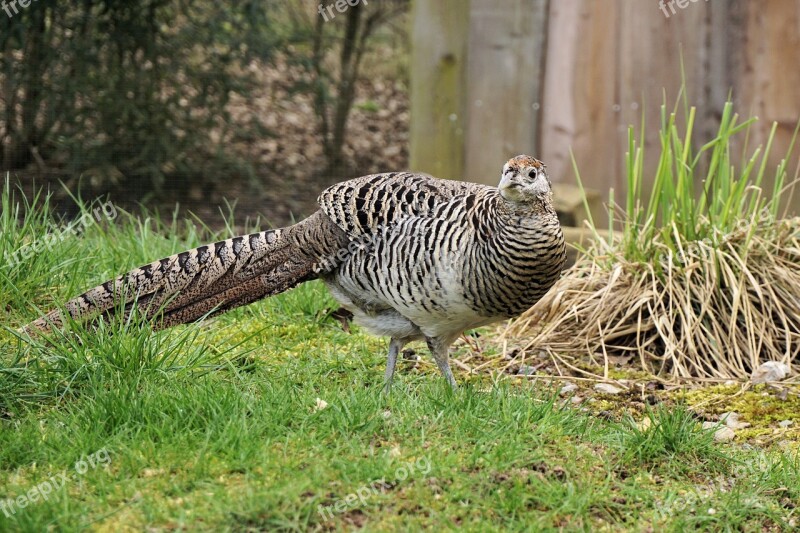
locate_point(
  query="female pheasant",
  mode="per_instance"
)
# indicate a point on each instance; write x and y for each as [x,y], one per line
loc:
[411,256]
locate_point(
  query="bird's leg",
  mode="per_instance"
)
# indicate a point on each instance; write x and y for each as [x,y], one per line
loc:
[395,345]
[440,349]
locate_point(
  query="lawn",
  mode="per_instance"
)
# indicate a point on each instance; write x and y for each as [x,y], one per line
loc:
[271,417]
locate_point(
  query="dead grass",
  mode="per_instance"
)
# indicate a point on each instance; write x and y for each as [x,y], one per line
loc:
[709,312]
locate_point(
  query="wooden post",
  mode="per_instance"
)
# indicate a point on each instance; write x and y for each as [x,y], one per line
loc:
[506,57]
[440,32]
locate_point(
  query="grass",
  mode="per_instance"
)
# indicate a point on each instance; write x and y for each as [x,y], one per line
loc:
[675,213]
[221,425]
[700,280]
[669,432]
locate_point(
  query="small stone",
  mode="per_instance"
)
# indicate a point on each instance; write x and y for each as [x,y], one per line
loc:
[607,388]
[785,423]
[712,511]
[320,404]
[576,400]
[770,371]
[732,421]
[526,370]
[722,434]
[568,388]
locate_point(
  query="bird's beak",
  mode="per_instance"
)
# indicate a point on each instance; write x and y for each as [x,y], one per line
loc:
[506,180]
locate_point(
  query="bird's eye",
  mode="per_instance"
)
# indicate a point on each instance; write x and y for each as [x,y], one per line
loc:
[532,173]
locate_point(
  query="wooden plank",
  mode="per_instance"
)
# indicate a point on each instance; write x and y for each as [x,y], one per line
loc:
[440,31]
[770,78]
[614,60]
[506,55]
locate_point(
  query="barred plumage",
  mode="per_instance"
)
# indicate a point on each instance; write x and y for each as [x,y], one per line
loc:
[411,256]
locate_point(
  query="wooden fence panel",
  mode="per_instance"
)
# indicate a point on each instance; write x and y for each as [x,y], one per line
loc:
[598,64]
[440,32]
[504,82]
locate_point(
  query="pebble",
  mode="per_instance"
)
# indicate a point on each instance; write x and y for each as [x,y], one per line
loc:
[526,370]
[732,420]
[320,404]
[722,434]
[785,423]
[607,388]
[769,371]
[568,388]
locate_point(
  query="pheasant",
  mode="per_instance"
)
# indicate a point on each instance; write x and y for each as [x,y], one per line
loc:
[412,257]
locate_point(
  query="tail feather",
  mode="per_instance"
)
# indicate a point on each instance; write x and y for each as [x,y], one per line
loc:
[211,279]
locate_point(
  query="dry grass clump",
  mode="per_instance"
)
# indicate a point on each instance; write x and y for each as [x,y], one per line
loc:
[695,285]
[711,312]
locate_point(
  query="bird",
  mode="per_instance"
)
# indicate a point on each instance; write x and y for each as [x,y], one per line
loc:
[412,257]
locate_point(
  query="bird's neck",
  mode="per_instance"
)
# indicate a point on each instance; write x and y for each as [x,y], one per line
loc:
[534,207]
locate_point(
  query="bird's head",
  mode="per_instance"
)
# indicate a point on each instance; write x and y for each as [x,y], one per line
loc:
[525,180]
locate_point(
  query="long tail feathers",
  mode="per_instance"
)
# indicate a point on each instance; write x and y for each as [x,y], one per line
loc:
[210,279]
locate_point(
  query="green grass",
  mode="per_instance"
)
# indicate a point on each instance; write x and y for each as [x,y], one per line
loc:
[216,426]
[697,195]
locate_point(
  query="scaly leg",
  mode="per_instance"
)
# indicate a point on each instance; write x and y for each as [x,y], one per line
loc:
[440,349]
[395,345]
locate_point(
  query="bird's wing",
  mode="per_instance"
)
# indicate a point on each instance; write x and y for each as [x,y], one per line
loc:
[362,205]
